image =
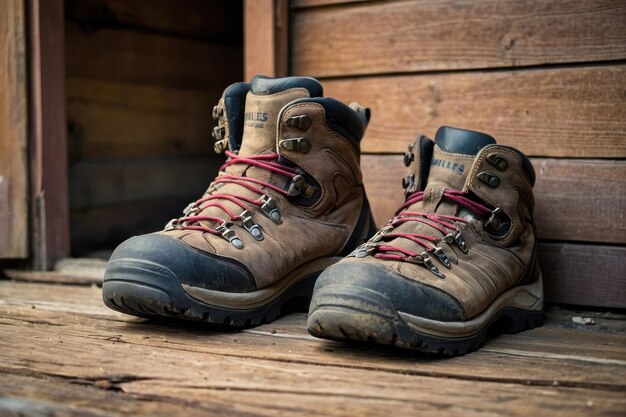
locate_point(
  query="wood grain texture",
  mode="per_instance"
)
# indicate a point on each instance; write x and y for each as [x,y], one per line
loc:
[573,112]
[584,274]
[105,227]
[215,20]
[13,132]
[576,200]
[110,119]
[104,182]
[301,4]
[409,36]
[142,58]
[85,358]
[266,38]
[48,123]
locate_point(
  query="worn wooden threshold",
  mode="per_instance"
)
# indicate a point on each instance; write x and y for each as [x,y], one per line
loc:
[63,351]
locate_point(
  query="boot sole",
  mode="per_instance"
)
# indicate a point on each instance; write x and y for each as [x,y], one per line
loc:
[139,288]
[342,312]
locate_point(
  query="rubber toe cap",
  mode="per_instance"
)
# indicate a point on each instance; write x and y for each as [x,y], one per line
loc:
[164,262]
[368,283]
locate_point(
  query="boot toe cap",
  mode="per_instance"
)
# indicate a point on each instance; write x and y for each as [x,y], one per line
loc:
[370,286]
[165,263]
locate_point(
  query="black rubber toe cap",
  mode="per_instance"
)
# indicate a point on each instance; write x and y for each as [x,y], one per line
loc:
[407,296]
[163,262]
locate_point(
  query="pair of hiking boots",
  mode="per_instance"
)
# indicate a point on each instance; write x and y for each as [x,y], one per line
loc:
[287,219]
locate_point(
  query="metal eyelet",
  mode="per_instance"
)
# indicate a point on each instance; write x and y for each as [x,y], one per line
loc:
[217,112]
[296,144]
[302,122]
[442,257]
[489,179]
[218,133]
[428,263]
[498,161]
[250,226]
[270,209]
[171,225]
[220,146]
[409,156]
[380,234]
[299,186]
[460,241]
[230,235]
[408,182]
[191,209]
[362,251]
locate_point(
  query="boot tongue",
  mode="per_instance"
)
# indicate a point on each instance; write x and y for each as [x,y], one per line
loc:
[266,98]
[453,156]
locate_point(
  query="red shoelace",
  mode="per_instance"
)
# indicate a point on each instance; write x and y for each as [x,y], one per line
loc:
[266,161]
[440,222]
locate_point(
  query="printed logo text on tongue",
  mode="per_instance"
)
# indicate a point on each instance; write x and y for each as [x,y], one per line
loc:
[452,166]
[256,119]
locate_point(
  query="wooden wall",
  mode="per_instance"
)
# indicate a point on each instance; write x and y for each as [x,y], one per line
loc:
[545,76]
[141,80]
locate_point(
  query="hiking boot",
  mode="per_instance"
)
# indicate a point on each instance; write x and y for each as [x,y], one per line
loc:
[458,258]
[288,202]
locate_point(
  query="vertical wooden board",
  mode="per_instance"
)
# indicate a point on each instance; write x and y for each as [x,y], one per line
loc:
[266,37]
[48,152]
[13,132]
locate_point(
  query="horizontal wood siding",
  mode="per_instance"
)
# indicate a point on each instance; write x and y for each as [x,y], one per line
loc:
[573,112]
[547,77]
[571,196]
[409,36]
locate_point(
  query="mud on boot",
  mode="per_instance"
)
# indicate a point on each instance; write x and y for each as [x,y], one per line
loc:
[457,261]
[288,202]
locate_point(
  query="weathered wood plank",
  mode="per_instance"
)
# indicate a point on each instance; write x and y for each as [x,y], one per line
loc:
[101,182]
[602,343]
[13,132]
[217,20]
[141,58]
[101,397]
[48,126]
[66,271]
[106,227]
[584,274]
[409,36]
[111,119]
[266,38]
[280,374]
[576,200]
[575,112]
[301,4]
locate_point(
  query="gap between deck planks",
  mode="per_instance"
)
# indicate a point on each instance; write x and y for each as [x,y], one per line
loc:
[80,354]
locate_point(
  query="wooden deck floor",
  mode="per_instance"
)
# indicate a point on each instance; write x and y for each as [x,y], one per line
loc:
[62,352]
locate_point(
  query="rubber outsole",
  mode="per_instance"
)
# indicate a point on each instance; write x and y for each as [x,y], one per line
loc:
[367,316]
[140,296]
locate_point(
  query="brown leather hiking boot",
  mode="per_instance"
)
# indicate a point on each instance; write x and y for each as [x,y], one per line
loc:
[458,258]
[287,203]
